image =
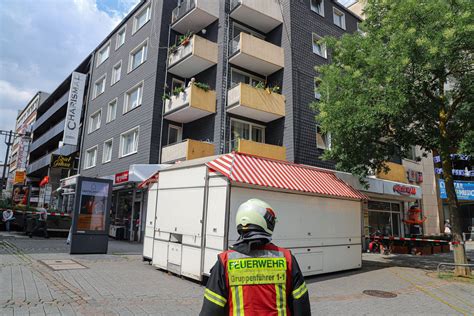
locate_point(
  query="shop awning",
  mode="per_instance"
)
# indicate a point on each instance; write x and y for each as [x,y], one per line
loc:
[243,168]
[146,183]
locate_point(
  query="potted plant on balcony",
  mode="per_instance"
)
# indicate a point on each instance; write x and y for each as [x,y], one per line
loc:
[172,50]
[177,90]
[201,85]
[184,39]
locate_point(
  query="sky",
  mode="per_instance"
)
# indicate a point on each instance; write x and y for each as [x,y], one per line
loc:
[42,41]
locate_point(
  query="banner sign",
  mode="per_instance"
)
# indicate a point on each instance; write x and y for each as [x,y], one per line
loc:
[74,108]
[464,190]
[60,161]
[404,190]
[457,172]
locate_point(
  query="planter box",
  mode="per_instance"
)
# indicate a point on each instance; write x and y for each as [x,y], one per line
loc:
[437,249]
[445,248]
[400,249]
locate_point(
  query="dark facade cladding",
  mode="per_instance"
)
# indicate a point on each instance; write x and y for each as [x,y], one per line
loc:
[48,132]
[296,131]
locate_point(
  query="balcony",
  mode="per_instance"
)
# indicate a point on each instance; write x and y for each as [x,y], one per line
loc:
[253,53]
[51,111]
[255,103]
[263,15]
[186,150]
[190,105]
[260,149]
[194,15]
[51,133]
[194,57]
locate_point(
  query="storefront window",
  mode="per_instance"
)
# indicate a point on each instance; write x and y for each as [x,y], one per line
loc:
[384,218]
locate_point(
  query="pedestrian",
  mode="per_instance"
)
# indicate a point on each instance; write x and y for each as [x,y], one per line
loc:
[447,228]
[41,223]
[7,217]
[256,277]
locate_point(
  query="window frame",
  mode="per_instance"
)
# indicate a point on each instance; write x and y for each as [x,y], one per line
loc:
[176,81]
[121,155]
[91,119]
[99,52]
[147,7]
[126,95]
[113,79]
[313,8]
[252,77]
[95,147]
[108,120]
[326,139]
[323,46]
[124,31]
[342,14]
[317,94]
[111,140]
[251,124]
[103,77]
[139,47]
[180,133]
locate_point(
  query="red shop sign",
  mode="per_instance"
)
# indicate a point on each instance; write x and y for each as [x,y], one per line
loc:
[404,190]
[121,177]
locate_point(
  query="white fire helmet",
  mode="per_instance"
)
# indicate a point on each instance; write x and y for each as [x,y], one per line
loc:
[253,213]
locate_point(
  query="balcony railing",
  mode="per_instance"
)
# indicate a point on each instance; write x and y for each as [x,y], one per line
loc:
[255,103]
[192,57]
[263,15]
[186,150]
[194,15]
[192,104]
[258,149]
[255,54]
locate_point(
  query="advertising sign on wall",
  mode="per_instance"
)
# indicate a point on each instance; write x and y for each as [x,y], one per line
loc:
[60,161]
[93,206]
[20,177]
[464,190]
[74,108]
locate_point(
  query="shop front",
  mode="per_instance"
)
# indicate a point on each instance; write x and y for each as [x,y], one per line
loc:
[386,211]
[128,210]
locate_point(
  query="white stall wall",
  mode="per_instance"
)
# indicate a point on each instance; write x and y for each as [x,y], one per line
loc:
[150,221]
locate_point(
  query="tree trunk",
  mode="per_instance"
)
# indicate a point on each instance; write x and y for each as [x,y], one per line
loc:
[452,200]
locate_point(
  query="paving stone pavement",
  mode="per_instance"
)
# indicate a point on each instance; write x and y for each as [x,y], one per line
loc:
[120,283]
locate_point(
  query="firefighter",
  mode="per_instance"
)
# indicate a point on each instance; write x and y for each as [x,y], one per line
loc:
[256,277]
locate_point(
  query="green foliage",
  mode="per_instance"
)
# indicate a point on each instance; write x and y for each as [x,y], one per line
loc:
[184,39]
[177,90]
[173,49]
[394,85]
[201,85]
[260,85]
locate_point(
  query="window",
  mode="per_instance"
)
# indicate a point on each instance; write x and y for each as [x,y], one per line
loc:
[103,54]
[129,142]
[176,83]
[245,130]
[90,157]
[237,29]
[138,56]
[94,121]
[323,140]
[116,73]
[411,154]
[99,86]
[120,39]
[318,47]
[107,151]
[111,110]
[141,18]
[317,82]
[318,6]
[339,18]
[384,217]
[174,134]
[133,98]
[238,76]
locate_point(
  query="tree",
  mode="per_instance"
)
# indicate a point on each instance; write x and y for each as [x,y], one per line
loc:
[406,80]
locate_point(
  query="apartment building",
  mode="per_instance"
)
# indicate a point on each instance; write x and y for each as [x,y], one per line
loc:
[19,152]
[56,134]
[178,80]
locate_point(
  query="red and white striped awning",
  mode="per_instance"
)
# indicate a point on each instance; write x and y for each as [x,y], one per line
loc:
[146,183]
[279,174]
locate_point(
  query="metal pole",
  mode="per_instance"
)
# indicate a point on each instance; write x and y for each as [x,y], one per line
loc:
[8,143]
